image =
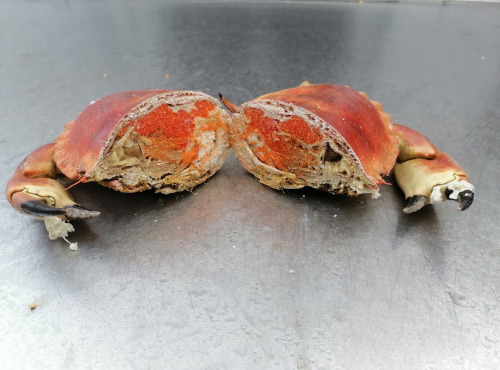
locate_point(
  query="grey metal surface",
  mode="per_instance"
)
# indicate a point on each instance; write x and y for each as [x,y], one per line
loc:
[236,275]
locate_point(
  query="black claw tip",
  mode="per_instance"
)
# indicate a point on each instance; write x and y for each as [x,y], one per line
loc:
[414,203]
[40,209]
[465,199]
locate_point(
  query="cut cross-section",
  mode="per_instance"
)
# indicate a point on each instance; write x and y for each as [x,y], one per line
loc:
[167,145]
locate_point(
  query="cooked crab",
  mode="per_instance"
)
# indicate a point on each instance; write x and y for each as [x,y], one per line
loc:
[334,138]
[130,141]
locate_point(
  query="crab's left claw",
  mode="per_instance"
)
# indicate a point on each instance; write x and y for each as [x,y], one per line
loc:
[36,206]
[428,176]
[34,190]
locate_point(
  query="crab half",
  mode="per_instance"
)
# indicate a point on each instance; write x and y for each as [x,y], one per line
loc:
[130,141]
[336,139]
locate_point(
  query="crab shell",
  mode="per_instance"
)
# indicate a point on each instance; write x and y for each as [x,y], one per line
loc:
[328,137]
[137,140]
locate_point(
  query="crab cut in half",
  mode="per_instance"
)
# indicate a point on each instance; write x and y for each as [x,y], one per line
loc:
[131,141]
[334,138]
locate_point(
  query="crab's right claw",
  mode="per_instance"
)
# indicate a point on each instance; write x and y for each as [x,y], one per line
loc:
[460,191]
[431,181]
[428,176]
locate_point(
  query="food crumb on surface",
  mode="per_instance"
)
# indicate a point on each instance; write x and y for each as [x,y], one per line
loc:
[33,306]
[59,228]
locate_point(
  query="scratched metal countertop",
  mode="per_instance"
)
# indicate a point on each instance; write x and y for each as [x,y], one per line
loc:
[235,275]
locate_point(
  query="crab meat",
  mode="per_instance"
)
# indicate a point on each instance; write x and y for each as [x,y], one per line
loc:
[335,139]
[131,141]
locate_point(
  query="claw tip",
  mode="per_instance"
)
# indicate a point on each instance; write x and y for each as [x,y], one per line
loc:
[465,199]
[414,203]
[77,211]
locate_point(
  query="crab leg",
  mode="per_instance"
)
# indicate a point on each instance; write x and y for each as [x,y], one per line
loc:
[33,189]
[428,176]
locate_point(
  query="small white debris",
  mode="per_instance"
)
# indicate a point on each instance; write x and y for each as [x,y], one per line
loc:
[58,228]
[334,216]
[72,246]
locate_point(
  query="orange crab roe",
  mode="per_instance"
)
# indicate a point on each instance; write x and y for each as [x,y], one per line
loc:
[283,141]
[169,134]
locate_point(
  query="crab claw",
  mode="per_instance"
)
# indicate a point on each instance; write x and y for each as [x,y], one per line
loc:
[427,176]
[459,191]
[33,206]
[33,190]
[464,199]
